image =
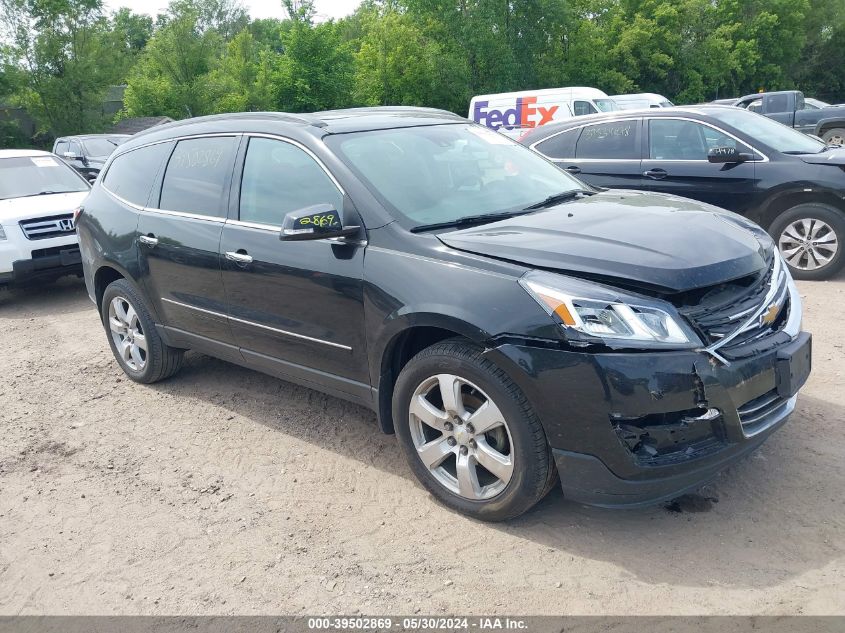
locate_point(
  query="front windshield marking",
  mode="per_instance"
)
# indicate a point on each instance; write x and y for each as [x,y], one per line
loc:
[441,173]
[776,135]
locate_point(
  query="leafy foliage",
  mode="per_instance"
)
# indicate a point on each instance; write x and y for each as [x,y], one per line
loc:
[58,57]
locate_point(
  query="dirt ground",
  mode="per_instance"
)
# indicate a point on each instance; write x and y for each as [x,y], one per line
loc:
[226,491]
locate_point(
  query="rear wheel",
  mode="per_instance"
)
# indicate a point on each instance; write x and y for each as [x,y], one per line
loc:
[470,435]
[811,238]
[134,340]
[836,136]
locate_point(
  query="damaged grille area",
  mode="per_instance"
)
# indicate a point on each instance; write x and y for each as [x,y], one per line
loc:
[668,438]
[740,317]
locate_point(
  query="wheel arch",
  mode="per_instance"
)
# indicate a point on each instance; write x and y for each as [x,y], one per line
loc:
[416,334]
[107,274]
[828,124]
[785,200]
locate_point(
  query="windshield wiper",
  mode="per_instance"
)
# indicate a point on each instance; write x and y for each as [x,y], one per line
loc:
[469,220]
[44,193]
[558,198]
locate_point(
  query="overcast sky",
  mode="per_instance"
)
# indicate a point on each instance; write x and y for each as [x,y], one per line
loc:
[256,8]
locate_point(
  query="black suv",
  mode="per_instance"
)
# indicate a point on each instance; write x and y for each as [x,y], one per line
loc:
[87,153]
[788,182]
[507,321]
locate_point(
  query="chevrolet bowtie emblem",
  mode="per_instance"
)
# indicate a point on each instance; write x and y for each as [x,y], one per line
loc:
[769,316]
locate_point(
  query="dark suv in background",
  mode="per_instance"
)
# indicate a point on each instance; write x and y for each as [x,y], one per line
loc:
[504,319]
[87,153]
[790,183]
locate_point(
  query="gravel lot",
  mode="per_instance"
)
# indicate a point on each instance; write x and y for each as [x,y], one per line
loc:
[226,491]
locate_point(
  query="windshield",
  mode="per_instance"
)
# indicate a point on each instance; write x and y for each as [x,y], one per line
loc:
[32,175]
[442,173]
[765,130]
[606,105]
[102,146]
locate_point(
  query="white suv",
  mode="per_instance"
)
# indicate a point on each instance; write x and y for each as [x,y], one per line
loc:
[38,195]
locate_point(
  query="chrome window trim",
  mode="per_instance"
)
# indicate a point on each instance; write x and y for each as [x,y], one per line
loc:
[219,219]
[645,119]
[284,139]
[534,145]
[121,200]
[712,127]
[259,325]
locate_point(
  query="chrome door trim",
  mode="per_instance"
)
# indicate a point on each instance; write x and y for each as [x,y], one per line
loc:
[259,325]
[645,119]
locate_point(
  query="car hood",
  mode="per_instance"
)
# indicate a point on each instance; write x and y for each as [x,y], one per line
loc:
[827,157]
[643,239]
[16,209]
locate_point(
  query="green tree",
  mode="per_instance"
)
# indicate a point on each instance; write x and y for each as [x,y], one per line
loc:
[244,78]
[58,46]
[398,64]
[169,78]
[317,69]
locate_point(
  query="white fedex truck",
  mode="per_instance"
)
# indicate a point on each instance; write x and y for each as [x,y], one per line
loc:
[642,101]
[515,112]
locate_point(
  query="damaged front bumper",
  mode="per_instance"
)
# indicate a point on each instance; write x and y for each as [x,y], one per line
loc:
[635,428]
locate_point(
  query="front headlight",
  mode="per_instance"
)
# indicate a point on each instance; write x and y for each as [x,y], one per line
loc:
[591,313]
[2,233]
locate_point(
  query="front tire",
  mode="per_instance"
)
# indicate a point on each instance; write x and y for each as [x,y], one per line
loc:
[133,338]
[811,238]
[470,434]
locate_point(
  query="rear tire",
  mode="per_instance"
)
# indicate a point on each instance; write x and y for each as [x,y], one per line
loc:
[811,238]
[133,338]
[835,136]
[449,444]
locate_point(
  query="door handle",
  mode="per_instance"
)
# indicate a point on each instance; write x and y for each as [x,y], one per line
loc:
[148,240]
[239,257]
[655,174]
[572,169]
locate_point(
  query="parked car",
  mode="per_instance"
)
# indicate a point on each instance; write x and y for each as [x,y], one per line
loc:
[87,153]
[506,320]
[38,195]
[512,113]
[790,183]
[641,101]
[788,107]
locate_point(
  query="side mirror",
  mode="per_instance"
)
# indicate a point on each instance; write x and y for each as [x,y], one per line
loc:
[727,155]
[71,156]
[315,223]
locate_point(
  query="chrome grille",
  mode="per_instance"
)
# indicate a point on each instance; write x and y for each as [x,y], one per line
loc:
[757,310]
[44,228]
[758,414]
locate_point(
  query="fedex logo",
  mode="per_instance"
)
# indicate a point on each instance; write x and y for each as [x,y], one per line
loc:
[523,115]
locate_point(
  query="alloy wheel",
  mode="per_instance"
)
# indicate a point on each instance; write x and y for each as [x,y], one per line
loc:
[808,244]
[461,436]
[127,334]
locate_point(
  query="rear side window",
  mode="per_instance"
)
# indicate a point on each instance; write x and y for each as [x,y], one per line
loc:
[279,178]
[560,146]
[613,140]
[131,175]
[197,174]
[777,103]
[583,107]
